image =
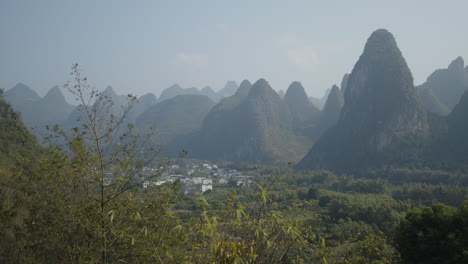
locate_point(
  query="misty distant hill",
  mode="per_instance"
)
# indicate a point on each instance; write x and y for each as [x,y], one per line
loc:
[331,111]
[38,112]
[320,102]
[20,95]
[112,104]
[174,120]
[254,125]
[304,113]
[228,90]
[444,88]
[281,93]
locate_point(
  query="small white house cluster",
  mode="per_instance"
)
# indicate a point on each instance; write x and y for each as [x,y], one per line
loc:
[240,178]
[199,177]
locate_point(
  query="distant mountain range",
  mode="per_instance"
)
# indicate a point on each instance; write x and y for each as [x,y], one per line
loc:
[376,118]
[38,112]
[228,90]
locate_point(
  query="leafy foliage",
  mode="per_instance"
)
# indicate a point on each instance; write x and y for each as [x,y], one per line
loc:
[435,234]
[15,139]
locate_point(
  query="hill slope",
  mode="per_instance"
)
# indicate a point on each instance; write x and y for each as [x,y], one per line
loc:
[175,120]
[15,138]
[305,114]
[254,126]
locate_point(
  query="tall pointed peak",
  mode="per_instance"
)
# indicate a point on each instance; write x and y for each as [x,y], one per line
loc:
[261,83]
[262,89]
[381,38]
[54,90]
[296,84]
[21,88]
[245,83]
[332,108]
[230,84]
[381,108]
[381,45]
[229,89]
[109,90]
[295,93]
[381,57]
[457,64]
[54,94]
[259,87]
[334,101]
[21,92]
[295,87]
[244,88]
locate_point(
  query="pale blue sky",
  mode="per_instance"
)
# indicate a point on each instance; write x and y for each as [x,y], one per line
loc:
[146,46]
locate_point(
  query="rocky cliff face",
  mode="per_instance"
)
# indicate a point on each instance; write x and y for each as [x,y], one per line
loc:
[458,130]
[344,83]
[381,112]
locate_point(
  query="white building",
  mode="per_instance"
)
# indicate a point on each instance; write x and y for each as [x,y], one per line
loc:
[207,184]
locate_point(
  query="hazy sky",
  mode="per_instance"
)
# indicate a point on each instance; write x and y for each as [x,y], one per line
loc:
[146,46]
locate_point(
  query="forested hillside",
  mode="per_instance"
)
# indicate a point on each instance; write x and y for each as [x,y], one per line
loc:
[16,141]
